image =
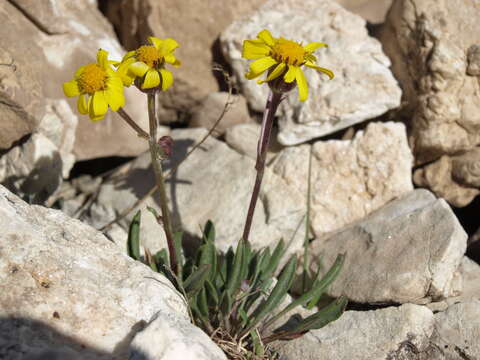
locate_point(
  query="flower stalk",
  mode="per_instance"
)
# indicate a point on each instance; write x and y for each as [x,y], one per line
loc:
[140,132]
[157,168]
[274,99]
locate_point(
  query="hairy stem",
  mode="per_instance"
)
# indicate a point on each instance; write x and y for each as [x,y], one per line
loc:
[140,132]
[157,168]
[273,101]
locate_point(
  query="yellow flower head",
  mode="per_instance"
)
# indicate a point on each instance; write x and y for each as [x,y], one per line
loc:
[147,63]
[97,86]
[283,59]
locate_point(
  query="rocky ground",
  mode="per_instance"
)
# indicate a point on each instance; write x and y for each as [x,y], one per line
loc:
[395,144]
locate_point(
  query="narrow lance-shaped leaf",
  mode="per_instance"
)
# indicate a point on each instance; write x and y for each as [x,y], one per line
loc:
[133,242]
[316,291]
[196,280]
[276,296]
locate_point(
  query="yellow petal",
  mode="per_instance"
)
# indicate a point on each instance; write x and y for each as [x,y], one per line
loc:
[71,89]
[275,73]
[170,58]
[167,79]
[97,105]
[129,55]
[82,105]
[102,58]
[254,49]
[302,85]
[321,69]
[138,68]
[168,45]
[313,46]
[259,66]
[291,73]
[152,79]
[114,98]
[79,71]
[155,42]
[266,37]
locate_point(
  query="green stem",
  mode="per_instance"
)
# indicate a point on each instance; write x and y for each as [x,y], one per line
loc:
[157,168]
[140,132]
[273,101]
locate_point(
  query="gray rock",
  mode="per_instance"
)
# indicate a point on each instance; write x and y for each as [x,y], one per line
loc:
[363,88]
[168,337]
[209,110]
[70,288]
[350,178]
[407,251]
[373,11]
[429,59]
[214,183]
[365,335]
[457,331]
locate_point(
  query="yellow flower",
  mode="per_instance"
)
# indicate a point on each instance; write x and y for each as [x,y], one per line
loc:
[148,64]
[97,86]
[283,59]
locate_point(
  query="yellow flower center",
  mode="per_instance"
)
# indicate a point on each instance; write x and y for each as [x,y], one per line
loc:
[149,55]
[93,78]
[288,52]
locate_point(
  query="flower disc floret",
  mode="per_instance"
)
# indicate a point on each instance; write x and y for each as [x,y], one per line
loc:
[98,88]
[282,59]
[146,65]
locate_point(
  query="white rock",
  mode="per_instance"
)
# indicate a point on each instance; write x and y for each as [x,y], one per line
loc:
[407,251]
[68,286]
[168,337]
[363,88]
[214,183]
[350,179]
[364,335]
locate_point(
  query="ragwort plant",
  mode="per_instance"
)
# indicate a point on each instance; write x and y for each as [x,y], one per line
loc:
[233,296]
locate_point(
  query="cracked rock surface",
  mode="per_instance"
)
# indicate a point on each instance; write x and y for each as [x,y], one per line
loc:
[406,252]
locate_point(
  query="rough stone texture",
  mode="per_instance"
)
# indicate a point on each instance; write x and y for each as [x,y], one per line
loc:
[457,331]
[374,11]
[365,335]
[350,179]
[456,179]
[214,183]
[69,287]
[207,113]
[429,59]
[468,275]
[244,139]
[407,251]
[363,87]
[168,337]
[202,22]
[32,170]
[60,36]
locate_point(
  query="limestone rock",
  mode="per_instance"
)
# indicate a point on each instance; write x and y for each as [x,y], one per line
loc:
[456,179]
[60,37]
[350,179]
[69,287]
[374,11]
[244,139]
[214,183]
[363,87]
[457,331]
[407,251]
[430,61]
[207,113]
[168,337]
[202,22]
[365,335]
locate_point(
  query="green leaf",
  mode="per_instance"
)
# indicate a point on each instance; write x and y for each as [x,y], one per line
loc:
[202,302]
[161,257]
[212,293]
[209,232]
[321,318]
[277,255]
[316,291]
[234,275]
[208,255]
[133,242]
[276,296]
[195,281]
